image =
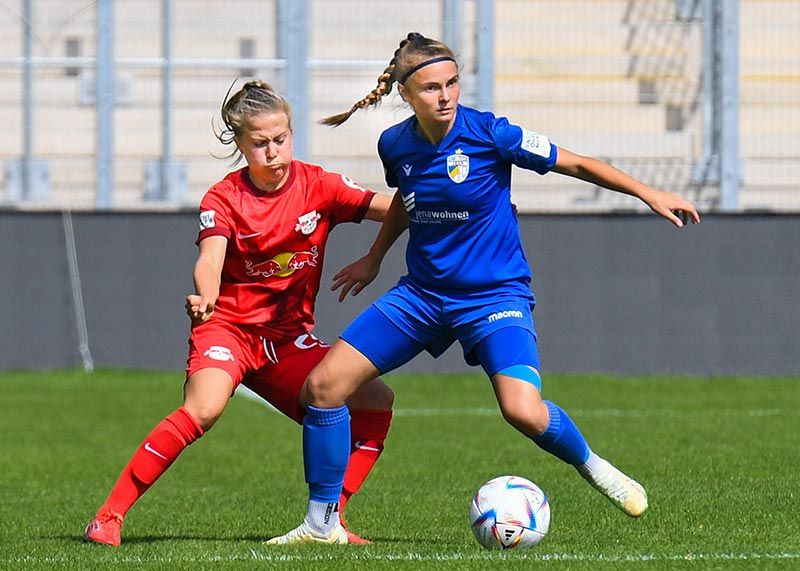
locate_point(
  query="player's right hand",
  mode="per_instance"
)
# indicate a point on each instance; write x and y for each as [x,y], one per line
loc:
[355,277]
[199,309]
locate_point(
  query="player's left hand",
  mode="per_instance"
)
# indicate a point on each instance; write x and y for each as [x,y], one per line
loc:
[672,207]
[355,277]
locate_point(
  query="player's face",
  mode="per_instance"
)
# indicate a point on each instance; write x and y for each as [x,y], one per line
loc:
[433,92]
[266,144]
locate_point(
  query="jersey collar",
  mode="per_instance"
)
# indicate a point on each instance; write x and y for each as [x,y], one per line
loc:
[258,192]
[452,134]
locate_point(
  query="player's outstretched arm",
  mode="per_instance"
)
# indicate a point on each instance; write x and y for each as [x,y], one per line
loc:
[358,275]
[671,206]
[378,207]
[207,277]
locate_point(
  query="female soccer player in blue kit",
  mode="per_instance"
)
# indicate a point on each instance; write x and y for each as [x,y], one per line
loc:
[468,278]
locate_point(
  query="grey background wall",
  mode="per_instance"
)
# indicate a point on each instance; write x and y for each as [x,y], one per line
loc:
[616,293]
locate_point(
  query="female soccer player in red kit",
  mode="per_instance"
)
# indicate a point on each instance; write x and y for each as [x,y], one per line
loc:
[263,230]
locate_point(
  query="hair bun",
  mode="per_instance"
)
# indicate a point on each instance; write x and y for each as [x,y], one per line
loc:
[259,84]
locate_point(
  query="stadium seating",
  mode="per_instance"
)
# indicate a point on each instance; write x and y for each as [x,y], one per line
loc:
[616,79]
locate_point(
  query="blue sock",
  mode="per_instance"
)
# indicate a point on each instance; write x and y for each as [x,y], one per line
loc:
[326,451]
[562,438]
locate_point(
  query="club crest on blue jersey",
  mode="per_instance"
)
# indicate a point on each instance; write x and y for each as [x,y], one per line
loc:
[458,166]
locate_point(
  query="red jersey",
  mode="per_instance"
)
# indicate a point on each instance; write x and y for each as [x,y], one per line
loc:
[276,244]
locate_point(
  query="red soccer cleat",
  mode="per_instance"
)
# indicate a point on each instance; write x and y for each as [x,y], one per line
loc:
[104,528]
[352,538]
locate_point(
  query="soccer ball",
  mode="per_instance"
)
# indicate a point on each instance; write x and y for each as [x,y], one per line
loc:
[509,512]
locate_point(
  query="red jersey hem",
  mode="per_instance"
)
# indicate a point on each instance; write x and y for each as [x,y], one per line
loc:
[208,232]
[364,208]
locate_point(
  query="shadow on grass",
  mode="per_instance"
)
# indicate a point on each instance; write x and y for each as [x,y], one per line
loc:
[144,539]
[377,541]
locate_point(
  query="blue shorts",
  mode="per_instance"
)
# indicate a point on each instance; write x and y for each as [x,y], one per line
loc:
[409,319]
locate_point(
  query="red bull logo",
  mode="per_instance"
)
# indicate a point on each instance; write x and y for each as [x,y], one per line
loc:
[284,264]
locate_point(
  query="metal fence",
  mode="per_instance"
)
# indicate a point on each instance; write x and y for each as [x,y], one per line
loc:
[109,104]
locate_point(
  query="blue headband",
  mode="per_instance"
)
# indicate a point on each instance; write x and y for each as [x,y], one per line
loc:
[411,71]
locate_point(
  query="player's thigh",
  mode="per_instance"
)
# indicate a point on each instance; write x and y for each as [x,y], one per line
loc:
[220,345]
[510,358]
[206,394]
[507,348]
[337,377]
[280,384]
[387,342]
[371,344]
[219,356]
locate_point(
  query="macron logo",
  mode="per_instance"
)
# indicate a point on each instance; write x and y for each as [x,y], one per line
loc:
[504,314]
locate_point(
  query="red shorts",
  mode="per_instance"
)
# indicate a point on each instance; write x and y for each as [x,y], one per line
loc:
[274,371]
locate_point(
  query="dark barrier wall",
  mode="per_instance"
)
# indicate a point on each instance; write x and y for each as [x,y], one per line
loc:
[623,294]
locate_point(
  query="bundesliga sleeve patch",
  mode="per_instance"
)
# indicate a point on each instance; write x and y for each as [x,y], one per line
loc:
[535,143]
[352,184]
[207,219]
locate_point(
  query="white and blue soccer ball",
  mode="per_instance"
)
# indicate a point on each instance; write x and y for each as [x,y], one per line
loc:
[509,512]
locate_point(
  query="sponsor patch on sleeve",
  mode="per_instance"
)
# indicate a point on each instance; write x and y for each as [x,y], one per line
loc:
[535,143]
[207,219]
[352,184]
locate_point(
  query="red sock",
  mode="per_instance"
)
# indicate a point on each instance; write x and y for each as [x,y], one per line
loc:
[368,430]
[156,453]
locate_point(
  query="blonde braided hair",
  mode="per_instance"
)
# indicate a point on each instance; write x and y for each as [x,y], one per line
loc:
[414,49]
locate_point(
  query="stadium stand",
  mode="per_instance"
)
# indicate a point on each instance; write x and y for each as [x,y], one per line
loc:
[617,79]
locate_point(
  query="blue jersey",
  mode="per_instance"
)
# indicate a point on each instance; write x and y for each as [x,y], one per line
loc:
[463,234]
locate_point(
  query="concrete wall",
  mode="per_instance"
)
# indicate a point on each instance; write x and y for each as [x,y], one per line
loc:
[624,294]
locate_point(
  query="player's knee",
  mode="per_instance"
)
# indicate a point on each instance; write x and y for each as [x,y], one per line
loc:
[206,414]
[320,391]
[205,395]
[529,418]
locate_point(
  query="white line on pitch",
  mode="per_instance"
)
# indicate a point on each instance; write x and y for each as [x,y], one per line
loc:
[578,412]
[253,555]
[493,411]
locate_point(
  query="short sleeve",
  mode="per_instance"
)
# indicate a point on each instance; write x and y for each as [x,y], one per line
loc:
[525,149]
[349,200]
[388,170]
[215,219]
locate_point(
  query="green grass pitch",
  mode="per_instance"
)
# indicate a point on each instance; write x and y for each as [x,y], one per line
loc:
[720,459]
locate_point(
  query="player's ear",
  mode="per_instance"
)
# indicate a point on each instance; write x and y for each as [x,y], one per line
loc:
[402,91]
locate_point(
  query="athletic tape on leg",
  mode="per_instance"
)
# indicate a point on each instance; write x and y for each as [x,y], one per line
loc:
[525,373]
